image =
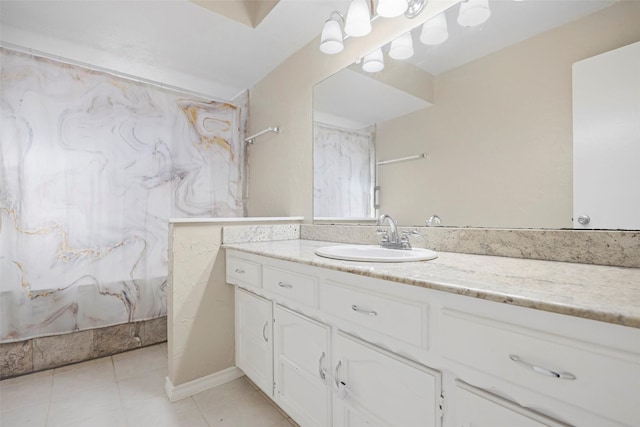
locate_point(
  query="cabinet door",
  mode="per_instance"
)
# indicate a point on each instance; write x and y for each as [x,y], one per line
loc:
[301,352]
[254,350]
[377,388]
[478,408]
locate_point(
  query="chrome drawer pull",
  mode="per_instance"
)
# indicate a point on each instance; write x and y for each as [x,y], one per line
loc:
[240,271]
[320,368]
[264,329]
[363,311]
[285,285]
[540,370]
[336,376]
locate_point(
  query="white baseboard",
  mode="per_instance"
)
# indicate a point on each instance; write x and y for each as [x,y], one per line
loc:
[175,393]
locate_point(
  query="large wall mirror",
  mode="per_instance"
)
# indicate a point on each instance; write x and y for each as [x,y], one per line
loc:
[480,125]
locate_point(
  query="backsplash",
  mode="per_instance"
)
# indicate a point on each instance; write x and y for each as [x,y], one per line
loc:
[602,247]
[260,233]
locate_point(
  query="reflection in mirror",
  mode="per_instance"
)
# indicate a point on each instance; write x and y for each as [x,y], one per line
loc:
[492,107]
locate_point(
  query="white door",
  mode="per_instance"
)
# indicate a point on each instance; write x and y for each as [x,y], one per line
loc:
[301,356]
[477,408]
[606,140]
[377,388]
[254,351]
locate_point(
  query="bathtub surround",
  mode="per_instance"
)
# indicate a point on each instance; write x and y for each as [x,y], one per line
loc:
[92,167]
[37,354]
[602,247]
[201,345]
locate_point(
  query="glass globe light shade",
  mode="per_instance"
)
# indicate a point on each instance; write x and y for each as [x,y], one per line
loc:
[331,39]
[391,8]
[473,12]
[435,31]
[402,47]
[358,22]
[373,62]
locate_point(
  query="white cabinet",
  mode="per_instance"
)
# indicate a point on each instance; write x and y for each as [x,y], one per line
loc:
[377,388]
[477,408]
[254,350]
[559,366]
[302,358]
[419,350]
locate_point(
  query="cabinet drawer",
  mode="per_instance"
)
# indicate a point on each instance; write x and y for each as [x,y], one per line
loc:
[294,286]
[399,319]
[584,374]
[478,407]
[243,272]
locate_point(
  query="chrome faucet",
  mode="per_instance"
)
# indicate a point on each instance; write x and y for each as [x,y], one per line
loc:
[393,239]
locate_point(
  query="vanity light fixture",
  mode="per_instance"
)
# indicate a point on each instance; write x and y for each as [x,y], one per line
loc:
[391,8]
[373,62]
[358,22]
[435,31]
[331,41]
[473,12]
[402,47]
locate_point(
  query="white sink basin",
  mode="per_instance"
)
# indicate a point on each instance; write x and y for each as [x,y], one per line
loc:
[374,253]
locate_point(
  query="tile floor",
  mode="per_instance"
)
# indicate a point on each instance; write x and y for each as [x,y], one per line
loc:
[127,390]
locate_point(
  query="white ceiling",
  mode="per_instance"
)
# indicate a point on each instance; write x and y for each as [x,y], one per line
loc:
[175,42]
[182,44]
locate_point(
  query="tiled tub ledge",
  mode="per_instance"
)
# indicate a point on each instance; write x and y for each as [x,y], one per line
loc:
[602,247]
[37,354]
[602,293]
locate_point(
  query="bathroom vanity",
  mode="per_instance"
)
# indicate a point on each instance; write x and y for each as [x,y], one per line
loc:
[462,340]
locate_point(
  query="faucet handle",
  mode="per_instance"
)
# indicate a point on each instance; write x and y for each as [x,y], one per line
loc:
[384,236]
[407,234]
[433,221]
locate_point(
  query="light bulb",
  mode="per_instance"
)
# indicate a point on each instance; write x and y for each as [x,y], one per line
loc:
[331,39]
[402,47]
[434,31]
[473,12]
[358,21]
[373,62]
[391,8]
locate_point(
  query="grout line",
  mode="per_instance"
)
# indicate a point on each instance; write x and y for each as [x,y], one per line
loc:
[46,417]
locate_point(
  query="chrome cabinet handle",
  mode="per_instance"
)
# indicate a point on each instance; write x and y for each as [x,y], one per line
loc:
[285,285]
[363,311]
[336,376]
[320,364]
[541,370]
[240,271]
[264,330]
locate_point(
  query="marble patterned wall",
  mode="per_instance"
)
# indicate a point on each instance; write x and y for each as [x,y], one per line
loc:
[92,166]
[344,171]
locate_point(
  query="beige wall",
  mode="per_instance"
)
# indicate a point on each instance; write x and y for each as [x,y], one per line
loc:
[499,137]
[200,313]
[281,165]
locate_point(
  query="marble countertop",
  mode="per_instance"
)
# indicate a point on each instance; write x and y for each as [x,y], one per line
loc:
[242,220]
[607,294]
